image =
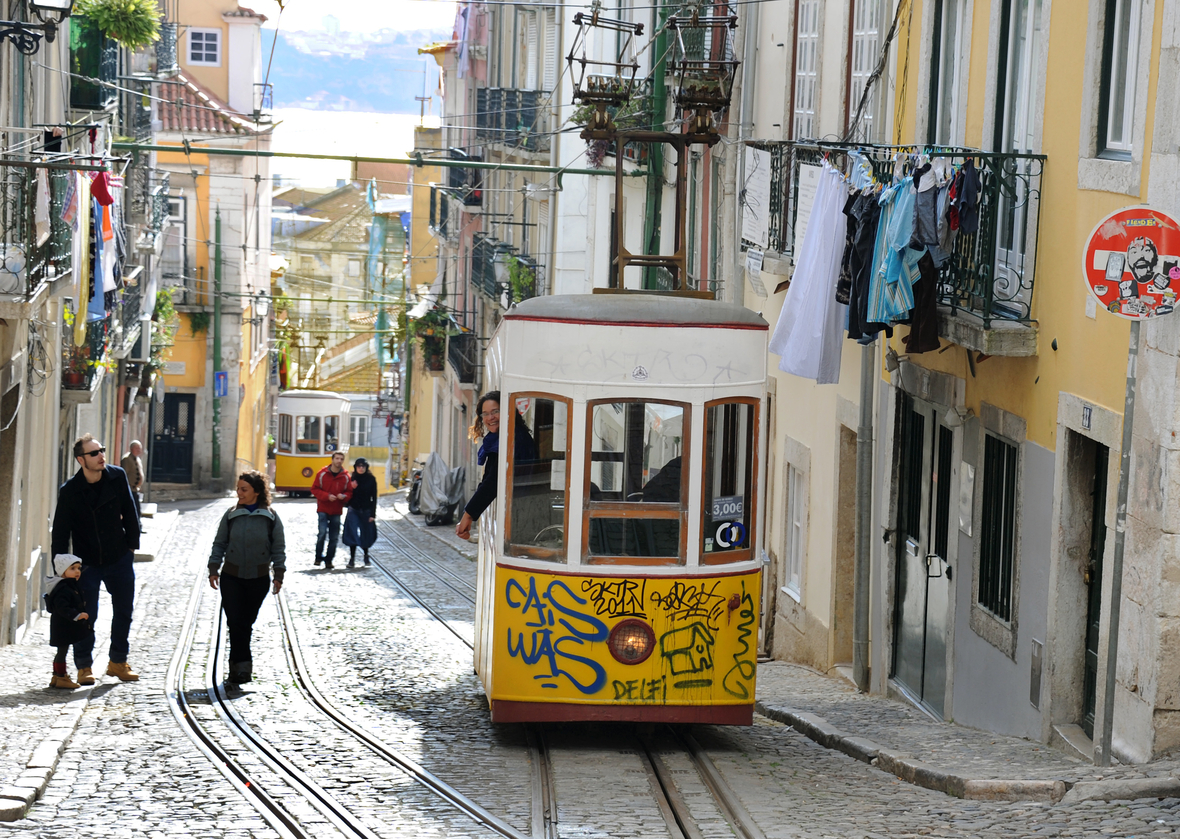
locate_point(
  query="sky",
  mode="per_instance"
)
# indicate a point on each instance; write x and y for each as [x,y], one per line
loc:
[357,15]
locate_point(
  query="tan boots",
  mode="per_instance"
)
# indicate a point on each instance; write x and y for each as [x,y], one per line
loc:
[63,682]
[85,676]
[122,671]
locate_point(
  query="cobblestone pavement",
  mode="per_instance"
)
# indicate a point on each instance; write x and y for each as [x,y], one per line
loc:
[374,654]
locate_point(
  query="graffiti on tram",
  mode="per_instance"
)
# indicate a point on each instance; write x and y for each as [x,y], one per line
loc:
[557,628]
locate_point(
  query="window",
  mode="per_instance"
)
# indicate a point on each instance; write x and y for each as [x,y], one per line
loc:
[796,505]
[307,435]
[538,482]
[306,264]
[354,267]
[946,59]
[284,432]
[331,433]
[729,504]
[358,430]
[997,536]
[806,68]
[204,47]
[172,260]
[636,506]
[866,48]
[1120,60]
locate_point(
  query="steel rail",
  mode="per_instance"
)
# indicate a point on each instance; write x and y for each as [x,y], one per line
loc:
[424,560]
[544,799]
[272,812]
[468,584]
[735,812]
[400,583]
[315,794]
[427,779]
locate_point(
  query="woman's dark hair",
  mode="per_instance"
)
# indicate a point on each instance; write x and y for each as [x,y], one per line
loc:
[259,484]
[477,429]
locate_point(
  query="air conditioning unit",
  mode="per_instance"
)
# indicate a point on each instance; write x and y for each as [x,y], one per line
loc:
[142,351]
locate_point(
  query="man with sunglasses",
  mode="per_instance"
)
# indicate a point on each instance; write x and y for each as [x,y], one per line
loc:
[96,512]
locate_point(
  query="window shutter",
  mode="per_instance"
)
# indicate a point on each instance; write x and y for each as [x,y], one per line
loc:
[551,52]
[530,53]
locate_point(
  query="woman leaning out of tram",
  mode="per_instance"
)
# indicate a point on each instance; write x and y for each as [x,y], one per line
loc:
[250,542]
[487,427]
[360,525]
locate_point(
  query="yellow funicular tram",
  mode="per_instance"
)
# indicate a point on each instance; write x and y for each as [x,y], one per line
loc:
[313,425]
[620,569]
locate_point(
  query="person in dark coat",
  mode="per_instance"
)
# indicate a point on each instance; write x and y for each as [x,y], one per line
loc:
[360,525]
[250,542]
[97,522]
[70,622]
[487,428]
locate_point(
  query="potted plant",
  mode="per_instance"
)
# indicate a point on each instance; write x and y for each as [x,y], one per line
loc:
[431,330]
[131,23]
[73,375]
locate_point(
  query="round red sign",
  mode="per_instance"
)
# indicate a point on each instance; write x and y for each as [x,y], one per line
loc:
[1132,263]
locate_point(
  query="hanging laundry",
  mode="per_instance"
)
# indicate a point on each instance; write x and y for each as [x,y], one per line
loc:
[100,189]
[810,330]
[69,206]
[41,210]
[844,279]
[82,260]
[864,216]
[923,335]
[108,250]
[967,197]
[891,294]
[95,310]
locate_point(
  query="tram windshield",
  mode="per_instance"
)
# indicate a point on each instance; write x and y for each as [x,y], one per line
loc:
[284,432]
[537,478]
[729,481]
[331,433]
[307,435]
[636,481]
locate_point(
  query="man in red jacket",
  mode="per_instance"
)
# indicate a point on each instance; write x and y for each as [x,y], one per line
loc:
[332,492]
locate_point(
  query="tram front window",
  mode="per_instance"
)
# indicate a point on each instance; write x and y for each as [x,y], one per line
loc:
[331,433]
[636,504]
[284,432]
[537,479]
[729,481]
[307,435]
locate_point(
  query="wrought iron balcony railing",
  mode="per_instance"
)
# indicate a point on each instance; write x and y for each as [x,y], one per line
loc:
[513,117]
[92,56]
[990,273]
[157,215]
[25,261]
[483,271]
[81,364]
[166,62]
[463,356]
[125,318]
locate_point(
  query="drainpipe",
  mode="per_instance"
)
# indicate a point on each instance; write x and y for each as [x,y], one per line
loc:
[655,168]
[216,461]
[744,127]
[864,519]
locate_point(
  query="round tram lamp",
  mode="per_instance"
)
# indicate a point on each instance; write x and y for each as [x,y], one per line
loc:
[631,641]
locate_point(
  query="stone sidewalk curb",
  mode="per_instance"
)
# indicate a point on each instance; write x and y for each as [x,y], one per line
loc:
[18,797]
[30,785]
[921,774]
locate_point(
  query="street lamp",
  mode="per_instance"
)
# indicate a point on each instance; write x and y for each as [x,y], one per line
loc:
[26,36]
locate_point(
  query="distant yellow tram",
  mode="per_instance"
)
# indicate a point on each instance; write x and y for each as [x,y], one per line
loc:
[313,424]
[620,567]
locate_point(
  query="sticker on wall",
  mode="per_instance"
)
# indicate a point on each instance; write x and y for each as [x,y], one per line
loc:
[1132,263]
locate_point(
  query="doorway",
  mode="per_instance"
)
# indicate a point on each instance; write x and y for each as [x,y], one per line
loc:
[924,573]
[1092,577]
[172,439]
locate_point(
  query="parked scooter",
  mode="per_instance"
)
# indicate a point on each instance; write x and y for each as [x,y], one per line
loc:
[441,493]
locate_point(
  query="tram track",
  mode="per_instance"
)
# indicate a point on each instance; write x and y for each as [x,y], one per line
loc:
[671,802]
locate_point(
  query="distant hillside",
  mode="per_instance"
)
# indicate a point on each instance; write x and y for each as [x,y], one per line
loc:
[379,71]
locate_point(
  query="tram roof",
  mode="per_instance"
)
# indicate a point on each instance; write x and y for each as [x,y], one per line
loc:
[313,394]
[637,309]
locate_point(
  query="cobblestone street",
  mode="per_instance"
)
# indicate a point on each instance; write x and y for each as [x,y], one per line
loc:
[405,679]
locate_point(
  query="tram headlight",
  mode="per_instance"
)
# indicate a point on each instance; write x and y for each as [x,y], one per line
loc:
[631,641]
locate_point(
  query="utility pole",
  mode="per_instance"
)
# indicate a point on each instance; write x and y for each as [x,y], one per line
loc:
[655,166]
[216,343]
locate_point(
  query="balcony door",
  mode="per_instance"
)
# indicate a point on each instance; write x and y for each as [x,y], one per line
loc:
[1015,123]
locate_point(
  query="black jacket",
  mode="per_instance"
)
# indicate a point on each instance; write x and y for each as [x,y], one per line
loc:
[65,601]
[364,497]
[102,531]
[485,493]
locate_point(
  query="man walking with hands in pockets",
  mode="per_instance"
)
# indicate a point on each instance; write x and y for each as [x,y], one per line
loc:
[332,490]
[96,512]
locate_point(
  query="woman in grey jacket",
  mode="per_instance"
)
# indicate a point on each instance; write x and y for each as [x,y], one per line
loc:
[250,542]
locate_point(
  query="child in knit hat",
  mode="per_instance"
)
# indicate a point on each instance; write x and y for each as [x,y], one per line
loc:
[70,622]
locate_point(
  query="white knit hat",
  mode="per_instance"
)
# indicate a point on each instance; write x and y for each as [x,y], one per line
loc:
[63,561]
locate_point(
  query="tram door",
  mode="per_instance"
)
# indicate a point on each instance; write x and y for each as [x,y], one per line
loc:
[923,589]
[172,439]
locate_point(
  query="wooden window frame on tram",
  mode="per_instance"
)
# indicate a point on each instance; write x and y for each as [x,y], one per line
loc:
[730,557]
[532,551]
[637,509]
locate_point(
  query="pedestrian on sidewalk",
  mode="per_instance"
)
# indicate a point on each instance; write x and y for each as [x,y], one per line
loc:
[249,543]
[70,623]
[133,466]
[96,515]
[487,428]
[360,525]
[332,491]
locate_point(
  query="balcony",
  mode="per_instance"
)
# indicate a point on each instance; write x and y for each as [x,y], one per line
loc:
[985,289]
[483,272]
[463,356]
[439,212]
[166,63]
[466,185]
[513,117]
[93,56]
[35,262]
[83,366]
[125,319]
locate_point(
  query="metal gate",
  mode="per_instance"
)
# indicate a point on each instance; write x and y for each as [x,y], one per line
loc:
[172,439]
[922,593]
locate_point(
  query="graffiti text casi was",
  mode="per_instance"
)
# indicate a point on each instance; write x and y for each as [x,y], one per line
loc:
[556,628]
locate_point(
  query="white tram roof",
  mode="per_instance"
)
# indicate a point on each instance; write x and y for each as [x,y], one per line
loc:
[311,394]
[636,309]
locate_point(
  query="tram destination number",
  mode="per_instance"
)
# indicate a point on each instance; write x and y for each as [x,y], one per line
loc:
[729,507]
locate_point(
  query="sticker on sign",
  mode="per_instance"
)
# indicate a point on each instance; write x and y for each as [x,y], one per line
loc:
[729,506]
